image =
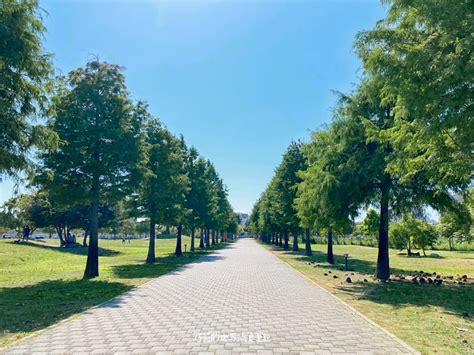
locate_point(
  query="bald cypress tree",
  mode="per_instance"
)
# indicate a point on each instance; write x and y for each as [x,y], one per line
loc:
[93,117]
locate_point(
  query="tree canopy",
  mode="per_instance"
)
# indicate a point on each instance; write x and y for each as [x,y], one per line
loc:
[24,84]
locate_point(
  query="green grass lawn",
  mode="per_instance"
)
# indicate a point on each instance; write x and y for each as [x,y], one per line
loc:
[431,318]
[41,284]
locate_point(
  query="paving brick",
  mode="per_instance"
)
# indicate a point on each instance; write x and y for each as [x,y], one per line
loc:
[237,300]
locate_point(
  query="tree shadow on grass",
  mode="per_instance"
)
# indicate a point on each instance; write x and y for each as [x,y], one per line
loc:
[353,264]
[451,297]
[33,307]
[319,258]
[80,250]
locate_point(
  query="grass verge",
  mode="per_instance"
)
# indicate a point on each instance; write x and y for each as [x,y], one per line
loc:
[41,284]
[431,318]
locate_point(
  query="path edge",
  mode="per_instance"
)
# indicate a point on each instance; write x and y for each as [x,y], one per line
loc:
[394,337]
[4,349]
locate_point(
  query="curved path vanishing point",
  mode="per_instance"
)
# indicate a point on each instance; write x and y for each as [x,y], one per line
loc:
[241,299]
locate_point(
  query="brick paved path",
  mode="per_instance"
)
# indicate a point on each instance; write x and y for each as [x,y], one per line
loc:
[241,299]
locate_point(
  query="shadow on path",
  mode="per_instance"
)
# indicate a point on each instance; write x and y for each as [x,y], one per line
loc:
[34,307]
[162,265]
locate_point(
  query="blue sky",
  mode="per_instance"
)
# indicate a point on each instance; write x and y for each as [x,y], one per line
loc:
[239,79]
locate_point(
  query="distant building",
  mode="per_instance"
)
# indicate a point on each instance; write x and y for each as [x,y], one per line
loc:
[243,217]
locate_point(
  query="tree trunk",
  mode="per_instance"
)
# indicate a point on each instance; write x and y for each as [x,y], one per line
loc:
[201,239]
[295,239]
[330,256]
[208,244]
[92,263]
[383,264]
[84,241]
[59,230]
[213,237]
[307,241]
[151,246]
[192,239]
[178,251]
[280,241]
[451,244]
[286,246]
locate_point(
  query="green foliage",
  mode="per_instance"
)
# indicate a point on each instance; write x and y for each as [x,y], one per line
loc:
[286,180]
[275,211]
[456,224]
[92,115]
[326,196]
[99,131]
[371,224]
[164,183]
[422,53]
[24,82]
[409,232]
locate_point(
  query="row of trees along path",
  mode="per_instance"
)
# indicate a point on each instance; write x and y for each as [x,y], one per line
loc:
[402,140]
[100,151]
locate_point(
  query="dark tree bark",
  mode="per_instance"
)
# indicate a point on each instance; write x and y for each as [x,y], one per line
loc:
[92,263]
[383,264]
[286,246]
[307,241]
[179,251]
[84,241]
[151,246]
[208,244]
[330,256]
[222,237]
[192,239]
[59,230]
[201,239]
[280,242]
[213,237]
[295,239]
